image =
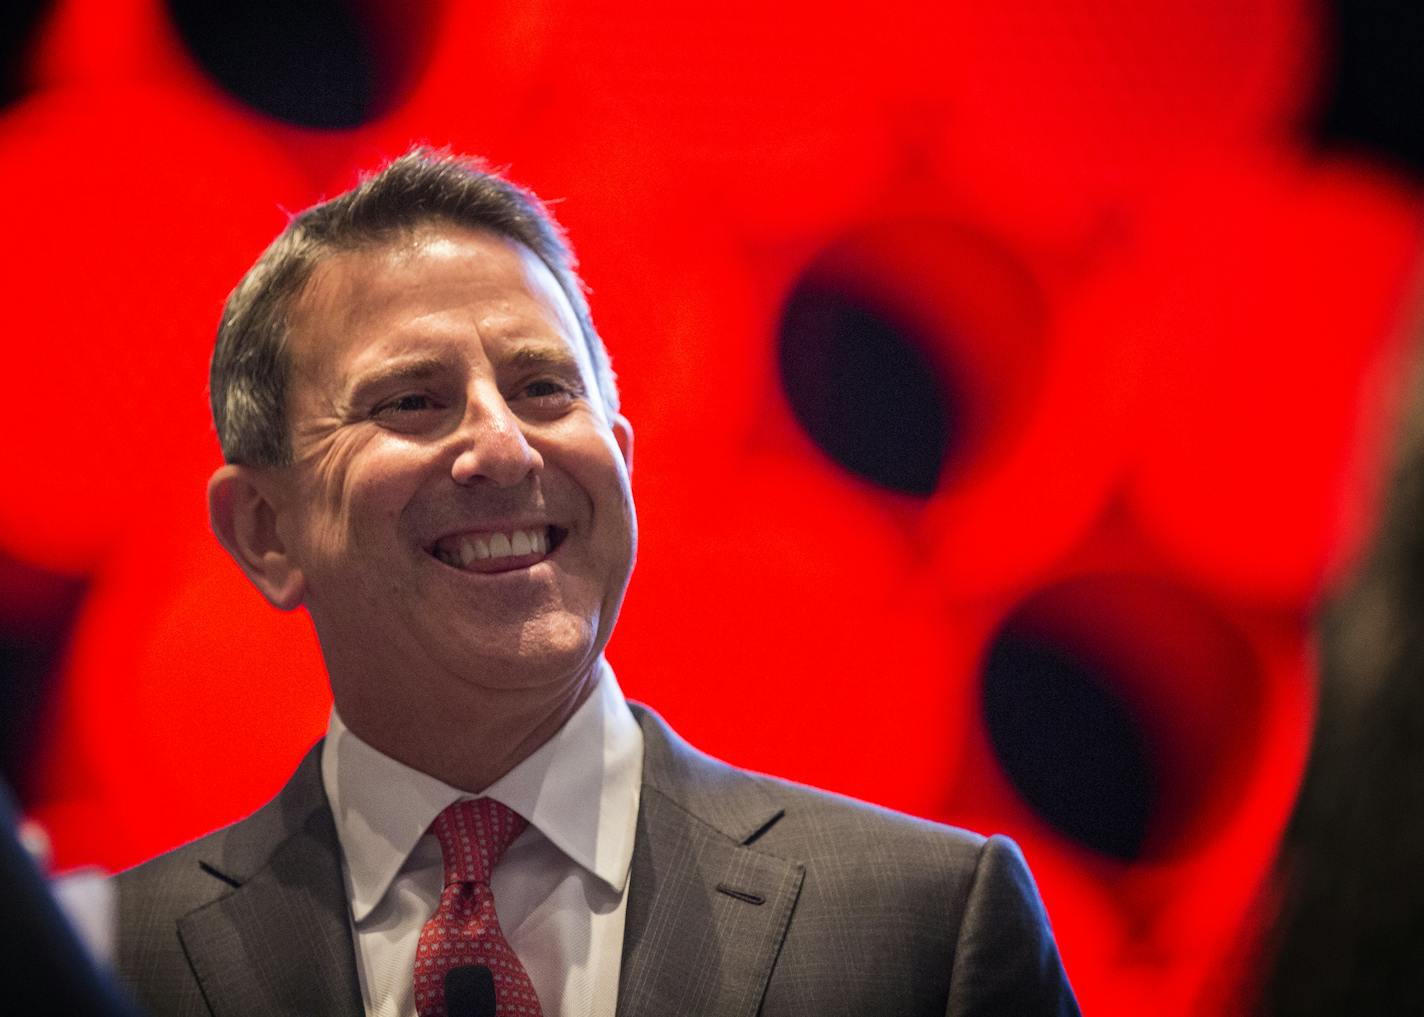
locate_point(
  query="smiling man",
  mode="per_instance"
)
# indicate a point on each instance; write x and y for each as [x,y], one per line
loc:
[424,450]
[456,516]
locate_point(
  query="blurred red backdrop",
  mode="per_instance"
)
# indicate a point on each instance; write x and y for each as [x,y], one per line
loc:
[1160,332]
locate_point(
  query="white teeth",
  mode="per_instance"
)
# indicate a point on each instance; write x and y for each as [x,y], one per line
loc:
[516,543]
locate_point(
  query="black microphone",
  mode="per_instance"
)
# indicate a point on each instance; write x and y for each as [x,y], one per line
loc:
[469,991]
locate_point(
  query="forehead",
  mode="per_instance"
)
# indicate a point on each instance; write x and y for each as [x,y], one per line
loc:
[436,285]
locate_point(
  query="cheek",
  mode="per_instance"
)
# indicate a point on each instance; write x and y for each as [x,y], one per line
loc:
[356,496]
[619,523]
[630,524]
[608,486]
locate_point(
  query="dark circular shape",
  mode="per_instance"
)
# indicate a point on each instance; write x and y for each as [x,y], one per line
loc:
[18,21]
[862,388]
[1374,81]
[1068,743]
[307,62]
[37,614]
[1127,710]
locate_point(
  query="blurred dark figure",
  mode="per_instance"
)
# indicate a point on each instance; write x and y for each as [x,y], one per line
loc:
[1350,934]
[43,966]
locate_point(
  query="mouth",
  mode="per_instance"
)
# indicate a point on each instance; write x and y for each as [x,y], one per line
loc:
[498,550]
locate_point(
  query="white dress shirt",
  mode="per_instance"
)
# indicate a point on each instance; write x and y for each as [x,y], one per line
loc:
[561,891]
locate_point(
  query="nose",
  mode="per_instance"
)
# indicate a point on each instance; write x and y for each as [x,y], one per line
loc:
[492,445]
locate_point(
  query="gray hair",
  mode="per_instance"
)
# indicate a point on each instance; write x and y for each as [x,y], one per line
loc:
[249,375]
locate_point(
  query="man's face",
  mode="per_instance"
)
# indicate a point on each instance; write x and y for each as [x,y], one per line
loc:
[459,506]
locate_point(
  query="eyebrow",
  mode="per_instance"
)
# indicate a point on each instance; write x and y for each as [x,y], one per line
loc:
[542,355]
[407,369]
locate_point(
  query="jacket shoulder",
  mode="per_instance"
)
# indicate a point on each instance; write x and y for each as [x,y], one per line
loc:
[890,907]
[201,868]
[776,813]
[152,898]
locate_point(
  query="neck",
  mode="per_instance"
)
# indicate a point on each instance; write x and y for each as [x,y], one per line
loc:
[469,743]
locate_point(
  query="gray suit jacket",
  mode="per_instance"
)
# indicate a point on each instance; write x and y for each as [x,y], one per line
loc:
[748,896]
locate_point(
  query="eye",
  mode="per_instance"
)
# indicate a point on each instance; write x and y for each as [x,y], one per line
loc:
[411,402]
[545,399]
[546,396]
[544,388]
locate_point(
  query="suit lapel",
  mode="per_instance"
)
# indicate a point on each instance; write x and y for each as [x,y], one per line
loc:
[707,912]
[286,917]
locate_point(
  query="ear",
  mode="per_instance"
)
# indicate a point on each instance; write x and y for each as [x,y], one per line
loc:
[623,434]
[243,509]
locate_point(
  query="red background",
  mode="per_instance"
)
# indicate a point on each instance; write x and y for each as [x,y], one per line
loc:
[1172,325]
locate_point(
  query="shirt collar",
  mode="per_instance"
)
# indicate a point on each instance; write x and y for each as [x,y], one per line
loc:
[579,789]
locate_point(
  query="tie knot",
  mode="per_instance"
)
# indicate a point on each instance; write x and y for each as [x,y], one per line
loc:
[474,835]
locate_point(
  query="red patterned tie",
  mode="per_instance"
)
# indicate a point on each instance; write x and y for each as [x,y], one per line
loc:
[464,932]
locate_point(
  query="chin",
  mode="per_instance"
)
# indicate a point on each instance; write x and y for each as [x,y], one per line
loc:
[545,652]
